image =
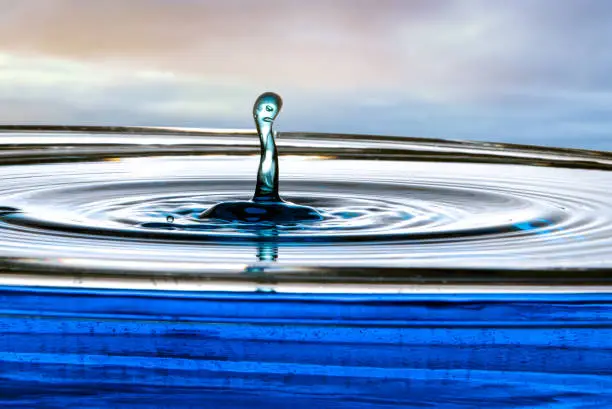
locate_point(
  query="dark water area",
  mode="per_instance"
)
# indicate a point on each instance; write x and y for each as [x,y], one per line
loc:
[122,349]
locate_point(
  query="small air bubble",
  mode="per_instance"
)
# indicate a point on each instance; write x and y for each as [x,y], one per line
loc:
[170,219]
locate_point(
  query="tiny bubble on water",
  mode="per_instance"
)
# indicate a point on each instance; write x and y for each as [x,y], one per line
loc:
[170,219]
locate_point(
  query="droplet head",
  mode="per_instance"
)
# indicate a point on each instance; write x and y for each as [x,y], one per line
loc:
[267,107]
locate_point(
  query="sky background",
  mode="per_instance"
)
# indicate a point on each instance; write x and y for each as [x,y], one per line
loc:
[521,71]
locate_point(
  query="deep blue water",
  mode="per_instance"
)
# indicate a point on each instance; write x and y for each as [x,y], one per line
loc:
[114,349]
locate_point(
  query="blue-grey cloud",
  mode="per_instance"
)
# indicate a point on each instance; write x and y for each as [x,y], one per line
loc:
[522,71]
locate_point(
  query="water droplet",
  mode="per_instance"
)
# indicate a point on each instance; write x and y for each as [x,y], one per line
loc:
[170,219]
[265,111]
[266,202]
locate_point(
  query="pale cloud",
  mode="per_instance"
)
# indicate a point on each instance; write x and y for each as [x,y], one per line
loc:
[518,71]
[310,43]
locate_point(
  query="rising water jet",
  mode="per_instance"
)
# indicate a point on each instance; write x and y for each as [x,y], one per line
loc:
[266,205]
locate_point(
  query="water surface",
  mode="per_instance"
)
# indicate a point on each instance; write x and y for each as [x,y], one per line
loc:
[118,202]
[440,274]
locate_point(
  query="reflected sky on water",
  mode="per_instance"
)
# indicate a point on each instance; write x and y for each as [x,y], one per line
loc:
[535,72]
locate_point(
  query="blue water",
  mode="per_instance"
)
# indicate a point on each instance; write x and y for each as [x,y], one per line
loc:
[114,349]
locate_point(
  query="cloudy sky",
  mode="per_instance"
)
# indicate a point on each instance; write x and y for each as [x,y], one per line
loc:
[522,71]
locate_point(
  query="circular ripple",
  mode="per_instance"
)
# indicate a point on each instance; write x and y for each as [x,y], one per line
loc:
[364,211]
[376,214]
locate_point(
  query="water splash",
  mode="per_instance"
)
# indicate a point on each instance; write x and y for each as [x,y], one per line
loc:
[266,205]
[389,205]
[266,109]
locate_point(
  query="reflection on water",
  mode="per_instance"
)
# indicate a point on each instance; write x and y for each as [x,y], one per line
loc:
[267,250]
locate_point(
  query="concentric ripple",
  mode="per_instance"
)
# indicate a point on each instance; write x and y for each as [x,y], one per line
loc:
[366,211]
[384,204]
